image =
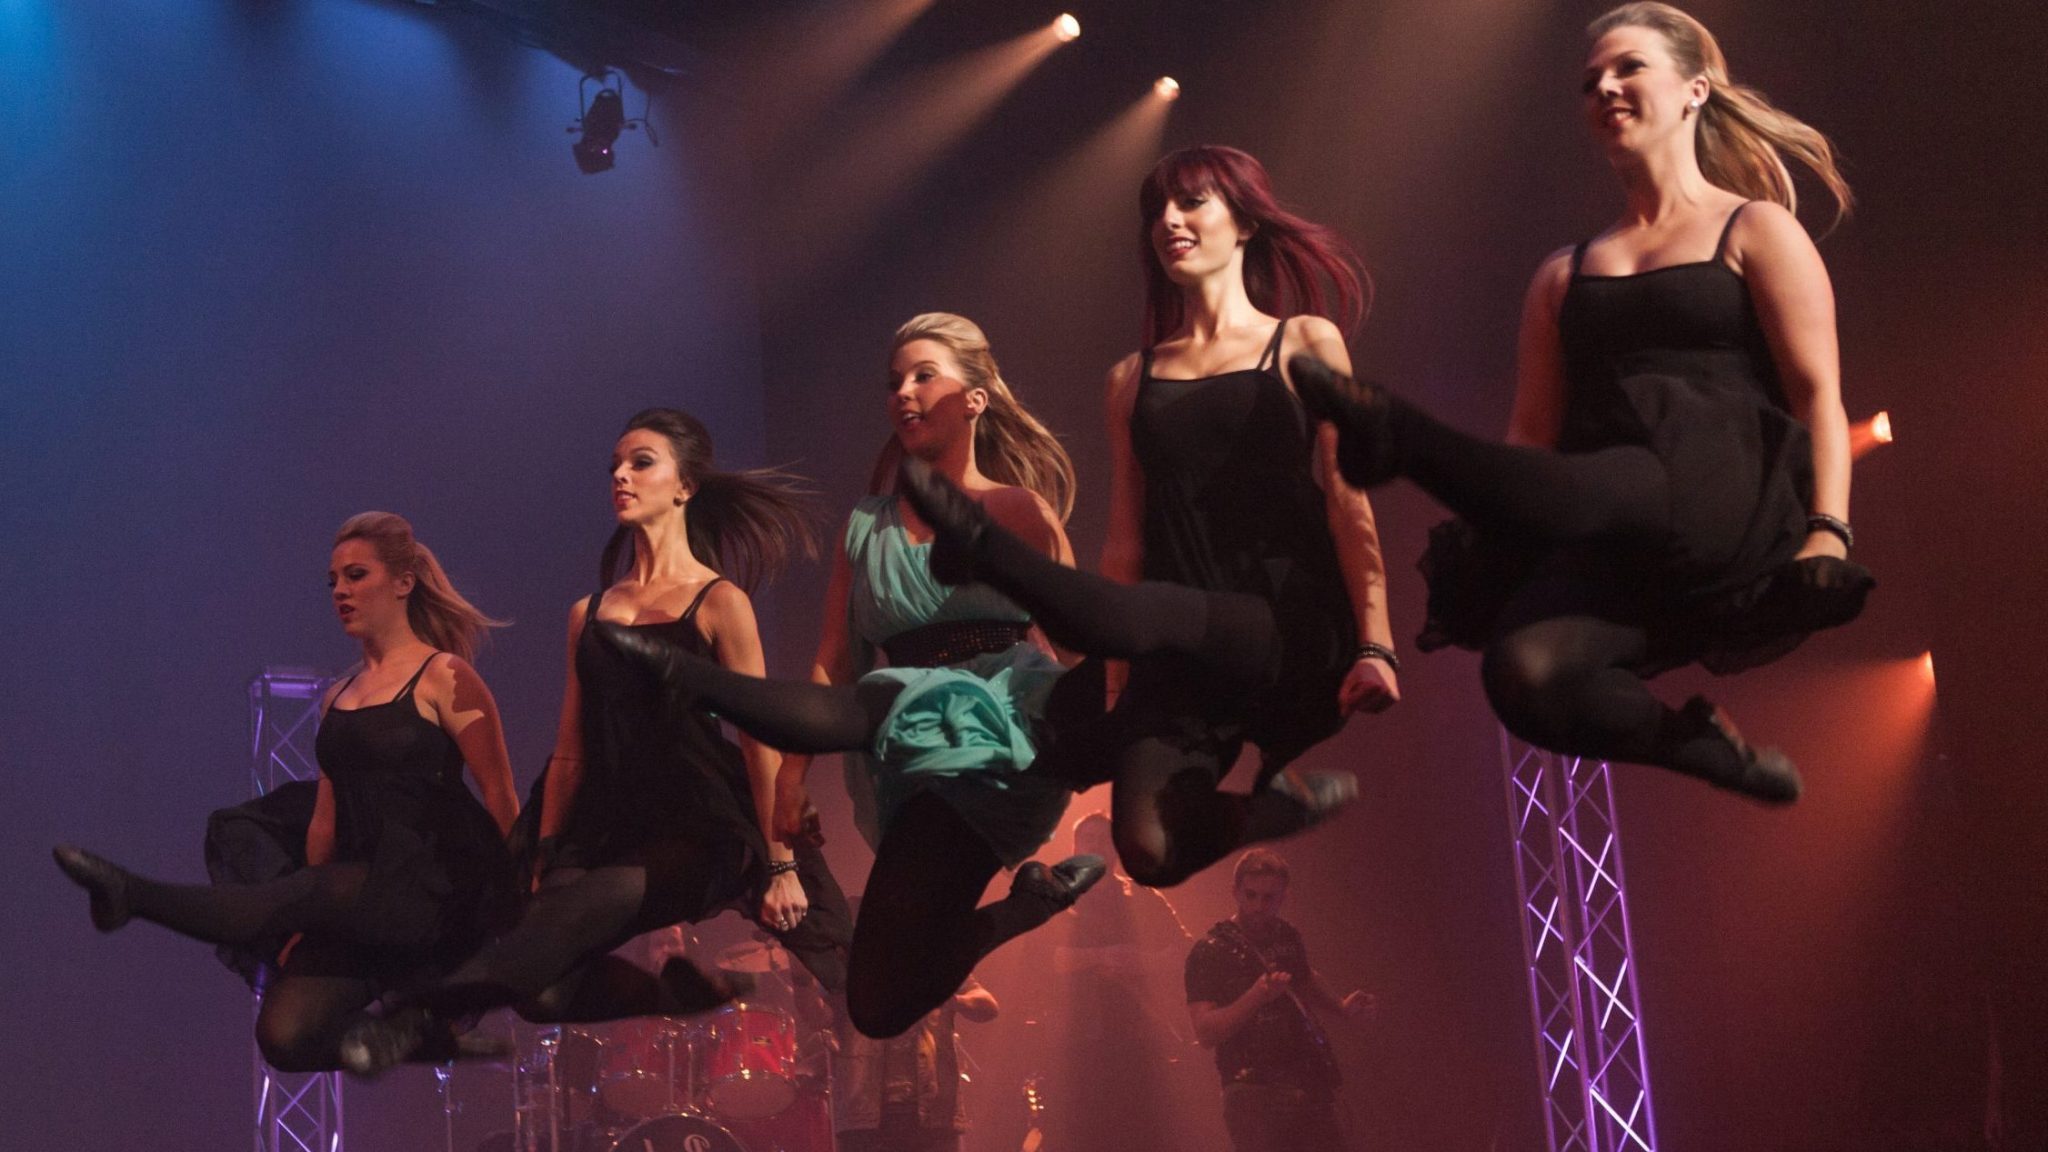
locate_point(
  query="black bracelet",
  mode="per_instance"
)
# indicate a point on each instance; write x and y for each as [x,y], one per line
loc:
[1835,526]
[1371,651]
[778,867]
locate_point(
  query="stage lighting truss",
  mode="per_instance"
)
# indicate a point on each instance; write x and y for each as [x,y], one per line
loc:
[295,1112]
[601,116]
[1591,1062]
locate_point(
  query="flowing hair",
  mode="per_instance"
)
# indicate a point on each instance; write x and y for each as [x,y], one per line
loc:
[1292,265]
[1011,446]
[437,613]
[744,524]
[1743,138]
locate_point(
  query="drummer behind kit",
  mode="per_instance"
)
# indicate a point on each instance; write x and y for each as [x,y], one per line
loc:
[734,1080]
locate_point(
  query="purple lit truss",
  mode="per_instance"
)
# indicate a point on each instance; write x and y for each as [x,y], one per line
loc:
[295,1112]
[1594,1073]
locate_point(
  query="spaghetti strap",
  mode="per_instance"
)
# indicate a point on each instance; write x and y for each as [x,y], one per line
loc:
[1144,365]
[691,612]
[1721,248]
[1270,358]
[1579,257]
[414,682]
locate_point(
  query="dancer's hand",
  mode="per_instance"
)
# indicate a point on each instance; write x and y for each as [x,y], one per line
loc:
[784,905]
[796,819]
[1270,987]
[1370,686]
[1361,1005]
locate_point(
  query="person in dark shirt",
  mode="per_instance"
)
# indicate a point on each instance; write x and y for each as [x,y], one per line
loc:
[1251,992]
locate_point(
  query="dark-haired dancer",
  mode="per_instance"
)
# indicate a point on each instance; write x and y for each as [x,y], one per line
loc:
[1262,613]
[956,720]
[650,816]
[1676,484]
[405,872]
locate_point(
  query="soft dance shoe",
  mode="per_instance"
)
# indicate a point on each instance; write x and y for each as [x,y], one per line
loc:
[957,520]
[103,880]
[696,990]
[660,658]
[1061,884]
[1360,410]
[1766,775]
[375,1044]
[1320,794]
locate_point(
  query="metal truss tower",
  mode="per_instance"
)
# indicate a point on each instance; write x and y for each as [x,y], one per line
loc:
[1595,1075]
[295,1112]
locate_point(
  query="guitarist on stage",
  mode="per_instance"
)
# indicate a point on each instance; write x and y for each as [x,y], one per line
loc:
[1253,997]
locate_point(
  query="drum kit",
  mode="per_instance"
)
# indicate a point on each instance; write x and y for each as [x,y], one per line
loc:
[741,1079]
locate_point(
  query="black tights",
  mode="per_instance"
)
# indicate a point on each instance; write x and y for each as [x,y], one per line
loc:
[1564,682]
[922,926]
[324,985]
[554,964]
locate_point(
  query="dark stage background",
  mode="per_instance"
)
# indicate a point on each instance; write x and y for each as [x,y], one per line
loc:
[269,264]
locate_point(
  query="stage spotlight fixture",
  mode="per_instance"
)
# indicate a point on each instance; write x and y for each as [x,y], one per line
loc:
[1865,435]
[1067,28]
[603,118]
[1167,88]
[1927,666]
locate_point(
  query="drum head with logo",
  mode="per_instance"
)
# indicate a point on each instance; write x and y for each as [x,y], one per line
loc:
[678,1134]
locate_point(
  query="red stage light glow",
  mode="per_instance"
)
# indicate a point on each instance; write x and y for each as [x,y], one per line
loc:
[1067,28]
[1865,435]
[1167,88]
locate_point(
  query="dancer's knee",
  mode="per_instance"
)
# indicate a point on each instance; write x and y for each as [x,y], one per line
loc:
[293,1043]
[1531,686]
[879,1009]
[551,1005]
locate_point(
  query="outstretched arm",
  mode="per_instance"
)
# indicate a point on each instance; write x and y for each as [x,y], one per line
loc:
[727,620]
[1795,303]
[1371,685]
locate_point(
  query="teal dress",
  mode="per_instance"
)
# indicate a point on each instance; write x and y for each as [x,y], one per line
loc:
[967,732]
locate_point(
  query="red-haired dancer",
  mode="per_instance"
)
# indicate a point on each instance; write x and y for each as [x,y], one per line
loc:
[1675,485]
[405,872]
[1245,584]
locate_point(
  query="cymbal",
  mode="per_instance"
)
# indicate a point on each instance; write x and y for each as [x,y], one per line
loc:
[755,957]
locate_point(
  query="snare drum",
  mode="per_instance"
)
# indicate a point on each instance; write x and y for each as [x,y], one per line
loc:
[748,1062]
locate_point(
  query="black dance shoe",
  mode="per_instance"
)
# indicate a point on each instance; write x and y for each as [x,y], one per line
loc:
[374,1045]
[106,883]
[661,659]
[1766,775]
[957,520]
[1361,411]
[1815,593]
[1320,794]
[695,990]
[1061,884]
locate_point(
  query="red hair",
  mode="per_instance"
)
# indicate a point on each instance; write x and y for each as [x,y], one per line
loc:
[1292,265]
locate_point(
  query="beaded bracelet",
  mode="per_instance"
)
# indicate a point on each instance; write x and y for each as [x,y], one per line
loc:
[778,867]
[1839,528]
[1371,651]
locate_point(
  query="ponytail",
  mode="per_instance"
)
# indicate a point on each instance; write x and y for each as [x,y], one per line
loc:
[437,613]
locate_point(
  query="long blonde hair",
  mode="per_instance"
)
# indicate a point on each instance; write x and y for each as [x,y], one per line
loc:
[1743,138]
[1011,446]
[437,613]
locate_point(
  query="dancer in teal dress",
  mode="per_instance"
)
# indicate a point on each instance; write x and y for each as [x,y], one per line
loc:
[949,730]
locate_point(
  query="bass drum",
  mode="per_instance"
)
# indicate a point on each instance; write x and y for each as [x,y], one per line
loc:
[677,1134]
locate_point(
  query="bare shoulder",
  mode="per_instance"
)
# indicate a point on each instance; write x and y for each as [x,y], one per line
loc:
[1016,506]
[1313,329]
[1552,276]
[1767,228]
[1124,373]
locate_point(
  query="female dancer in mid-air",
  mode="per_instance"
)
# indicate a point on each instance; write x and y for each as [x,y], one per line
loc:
[1675,486]
[957,719]
[649,816]
[406,873]
[1262,615]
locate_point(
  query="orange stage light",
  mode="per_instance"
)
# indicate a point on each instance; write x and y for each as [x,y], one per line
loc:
[1865,435]
[1167,88]
[1066,27]
[1927,667]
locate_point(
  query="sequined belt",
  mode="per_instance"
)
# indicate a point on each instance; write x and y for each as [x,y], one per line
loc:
[951,641]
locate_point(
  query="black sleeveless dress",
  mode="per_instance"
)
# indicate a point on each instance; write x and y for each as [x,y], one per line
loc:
[440,878]
[662,788]
[1674,360]
[1231,506]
